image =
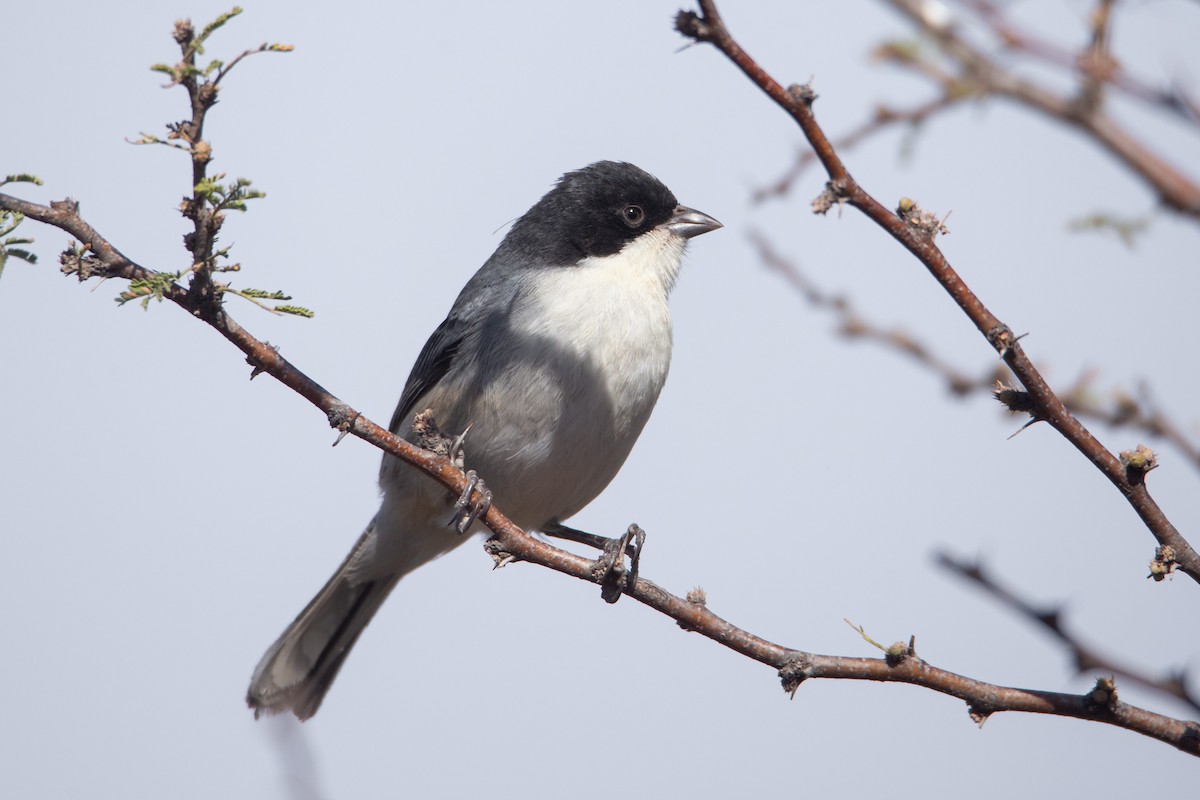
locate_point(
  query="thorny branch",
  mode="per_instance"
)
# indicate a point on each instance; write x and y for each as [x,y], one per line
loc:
[1085,110]
[96,257]
[1124,410]
[851,325]
[979,76]
[883,117]
[510,543]
[915,230]
[1095,65]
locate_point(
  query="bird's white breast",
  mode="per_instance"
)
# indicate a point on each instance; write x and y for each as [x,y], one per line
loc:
[597,341]
[612,312]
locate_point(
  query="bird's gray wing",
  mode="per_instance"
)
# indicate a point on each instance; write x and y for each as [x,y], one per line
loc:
[482,306]
[435,360]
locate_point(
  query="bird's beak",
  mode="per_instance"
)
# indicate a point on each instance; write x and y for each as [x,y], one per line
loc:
[688,222]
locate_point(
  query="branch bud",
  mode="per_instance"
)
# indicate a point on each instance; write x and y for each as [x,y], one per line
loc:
[1138,462]
[924,221]
[1012,398]
[1104,693]
[802,93]
[1164,562]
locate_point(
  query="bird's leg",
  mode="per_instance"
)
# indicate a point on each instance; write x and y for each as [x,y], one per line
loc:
[634,538]
[466,512]
[634,548]
[609,570]
[558,530]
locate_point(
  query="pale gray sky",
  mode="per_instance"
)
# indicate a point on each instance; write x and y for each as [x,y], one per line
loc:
[164,518]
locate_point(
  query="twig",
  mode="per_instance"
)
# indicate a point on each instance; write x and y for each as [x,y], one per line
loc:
[853,326]
[1085,658]
[883,118]
[1096,64]
[1125,410]
[915,231]
[1174,188]
[1107,70]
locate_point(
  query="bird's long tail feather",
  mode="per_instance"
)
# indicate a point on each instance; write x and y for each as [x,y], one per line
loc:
[298,669]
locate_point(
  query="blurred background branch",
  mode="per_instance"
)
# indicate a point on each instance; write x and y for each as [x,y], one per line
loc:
[1117,408]
[1087,659]
[963,65]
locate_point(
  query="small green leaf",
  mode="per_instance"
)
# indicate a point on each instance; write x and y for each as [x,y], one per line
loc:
[9,222]
[264,295]
[1127,229]
[298,311]
[147,289]
[22,177]
[212,27]
[27,257]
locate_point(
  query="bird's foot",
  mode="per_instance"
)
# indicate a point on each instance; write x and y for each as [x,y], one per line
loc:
[610,570]
[466,511]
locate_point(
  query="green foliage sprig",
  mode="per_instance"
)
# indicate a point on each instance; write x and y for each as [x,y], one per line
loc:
[9,221]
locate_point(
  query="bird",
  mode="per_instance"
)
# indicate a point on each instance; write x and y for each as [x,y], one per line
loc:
[548,366]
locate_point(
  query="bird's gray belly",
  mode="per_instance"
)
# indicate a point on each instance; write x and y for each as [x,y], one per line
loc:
[548,431]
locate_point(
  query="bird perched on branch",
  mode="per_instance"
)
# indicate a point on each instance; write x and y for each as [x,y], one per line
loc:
[553,357]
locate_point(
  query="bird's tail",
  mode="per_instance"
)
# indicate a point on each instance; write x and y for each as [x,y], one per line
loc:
[298,669]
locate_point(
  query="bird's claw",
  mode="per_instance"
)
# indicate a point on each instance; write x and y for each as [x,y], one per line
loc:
[458,453]
[610,570]
[466,512]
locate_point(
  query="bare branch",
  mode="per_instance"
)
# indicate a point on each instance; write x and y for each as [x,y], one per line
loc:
[853,326]
[1086,659]
[1085,111]
[797,101]
[883,118]
[1121,410]
[1104,69]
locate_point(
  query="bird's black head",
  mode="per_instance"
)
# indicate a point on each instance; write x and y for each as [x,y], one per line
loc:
[592,211]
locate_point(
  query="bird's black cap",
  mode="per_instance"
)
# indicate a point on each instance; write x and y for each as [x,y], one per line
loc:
[592,211]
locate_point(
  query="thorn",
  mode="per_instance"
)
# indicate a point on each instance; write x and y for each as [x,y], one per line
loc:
[344,429]
[500,557]
[792,674]
[1023,427]
[257,368]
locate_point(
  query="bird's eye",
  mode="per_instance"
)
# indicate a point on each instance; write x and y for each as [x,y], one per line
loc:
[633,215]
